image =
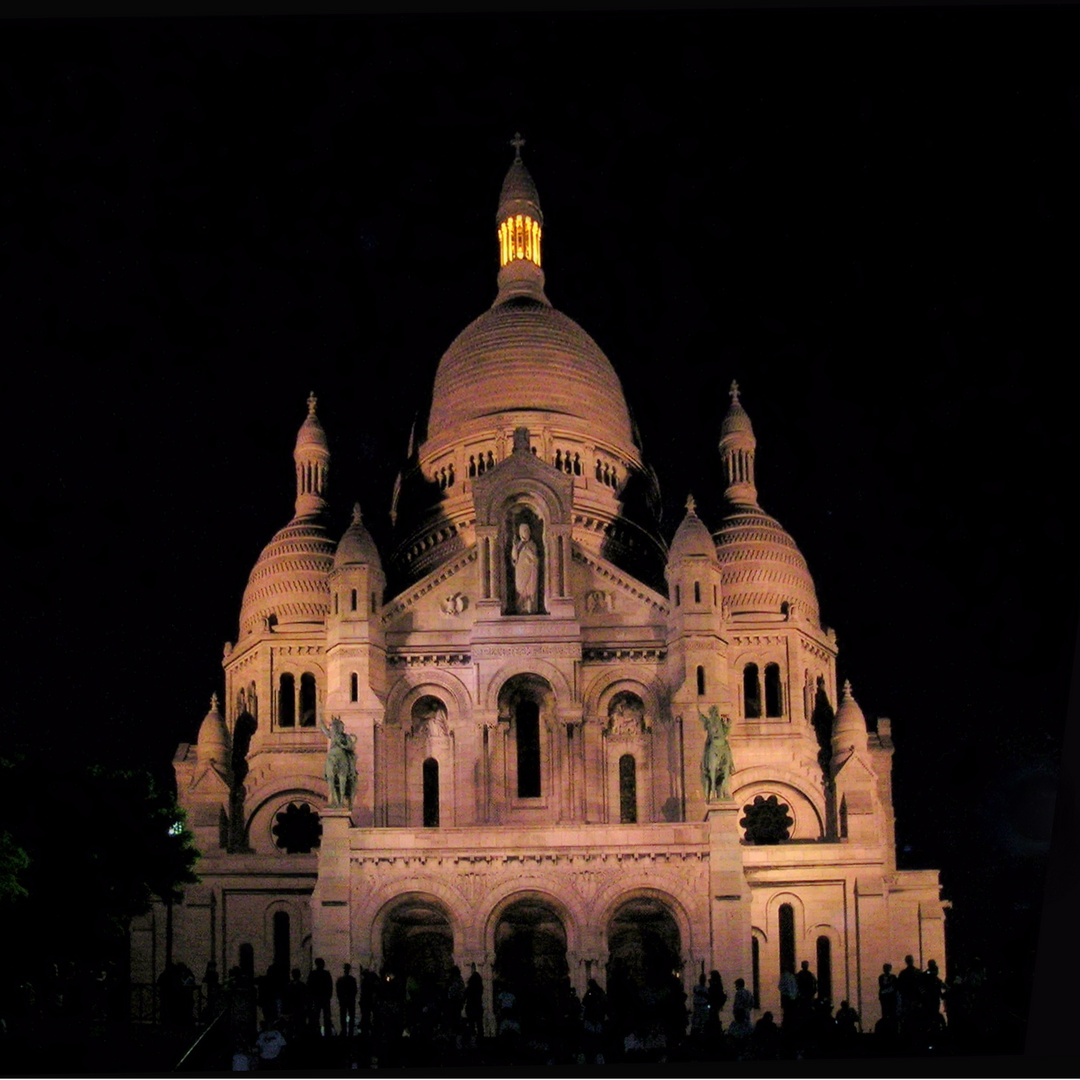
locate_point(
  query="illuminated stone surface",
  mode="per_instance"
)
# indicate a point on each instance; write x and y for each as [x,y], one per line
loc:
[564,745]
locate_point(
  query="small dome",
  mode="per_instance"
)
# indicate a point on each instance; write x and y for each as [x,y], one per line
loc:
[761,567]
[213,739]
[311,432]
[691,537]
[289,581]
[849,726]
[356,546]
[737,420]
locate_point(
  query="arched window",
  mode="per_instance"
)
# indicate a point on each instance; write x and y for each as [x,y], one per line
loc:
[627,790]
[774,700]
[354,687]
[700,680]
[787,938]
[335,603]
[282,951]
[527,724]
[286,701]
[678,596]
[751,691]
[755,969]
[354,600]
[374,603]
[697,592]
[431,793]
[843,818]
[824,968]
[307,700]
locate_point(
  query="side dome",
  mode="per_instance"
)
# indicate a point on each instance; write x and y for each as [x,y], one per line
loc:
[761,567]
[356,546]
[524,356]
[288,584]
[691,537]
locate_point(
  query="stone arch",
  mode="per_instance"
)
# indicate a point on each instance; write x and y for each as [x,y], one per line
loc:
[772,912]
[260,822]
[414,684]
[609,900]
[807,807]
[542,498]
[416,889]
[297,926]
[561,689]
[606,685]
[528,888]
[424,909]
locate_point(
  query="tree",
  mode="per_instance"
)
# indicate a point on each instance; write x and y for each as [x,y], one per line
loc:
[98,843]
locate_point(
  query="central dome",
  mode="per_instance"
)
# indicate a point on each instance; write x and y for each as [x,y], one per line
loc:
[524,356]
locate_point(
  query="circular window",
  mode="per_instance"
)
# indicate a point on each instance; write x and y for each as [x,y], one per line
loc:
[767,820]
[297,829]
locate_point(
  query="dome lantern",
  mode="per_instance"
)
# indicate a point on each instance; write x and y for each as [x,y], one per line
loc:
[312,457]
[519,222]
[737,446]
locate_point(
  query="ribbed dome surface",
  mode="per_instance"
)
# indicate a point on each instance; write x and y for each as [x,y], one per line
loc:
[289,578]
[736,420]
[523,355]
[212,736]
[761,567]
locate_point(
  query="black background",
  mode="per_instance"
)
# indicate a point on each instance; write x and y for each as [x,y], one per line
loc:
[866,217]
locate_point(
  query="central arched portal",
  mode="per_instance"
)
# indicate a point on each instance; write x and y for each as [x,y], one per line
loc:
[530,959]
[417,940]
[644,943]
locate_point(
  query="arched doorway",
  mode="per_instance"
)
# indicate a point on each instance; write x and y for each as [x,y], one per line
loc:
[417,944]
[644,970]
[530,960]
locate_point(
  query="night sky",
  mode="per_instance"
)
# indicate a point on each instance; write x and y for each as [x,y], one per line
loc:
[867,218]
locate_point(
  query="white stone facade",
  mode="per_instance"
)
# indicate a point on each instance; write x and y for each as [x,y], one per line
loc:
[541,768]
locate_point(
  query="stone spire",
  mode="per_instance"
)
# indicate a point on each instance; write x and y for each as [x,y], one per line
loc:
[312,457]
[849,725]
[519,223]
[737,446]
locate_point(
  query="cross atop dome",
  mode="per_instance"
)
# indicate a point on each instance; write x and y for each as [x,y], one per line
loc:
[517,142]
[733,393]
[691,506]
[312,401]
[356,515]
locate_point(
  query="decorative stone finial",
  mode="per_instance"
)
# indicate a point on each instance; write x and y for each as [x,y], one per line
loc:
[847,689]
[521,440]
[357,517]
[517,142]
[734,391]
[213,703]
[691,506]
[312,401]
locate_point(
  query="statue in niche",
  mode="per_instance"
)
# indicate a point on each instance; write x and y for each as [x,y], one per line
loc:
[429,717]
[340,763]
[626,715]
[716,762]
[525,556]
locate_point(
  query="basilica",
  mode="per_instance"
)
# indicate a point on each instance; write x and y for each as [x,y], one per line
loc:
[536,734]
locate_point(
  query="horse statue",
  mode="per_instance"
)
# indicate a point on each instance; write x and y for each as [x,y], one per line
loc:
[340,763]
[716,762]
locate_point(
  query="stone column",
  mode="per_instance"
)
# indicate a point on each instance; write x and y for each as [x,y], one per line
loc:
[729,895]
[871,946]
[330,924]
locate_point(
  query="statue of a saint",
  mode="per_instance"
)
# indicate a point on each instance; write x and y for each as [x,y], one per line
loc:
[526,559]
[716,763]
[340,763]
